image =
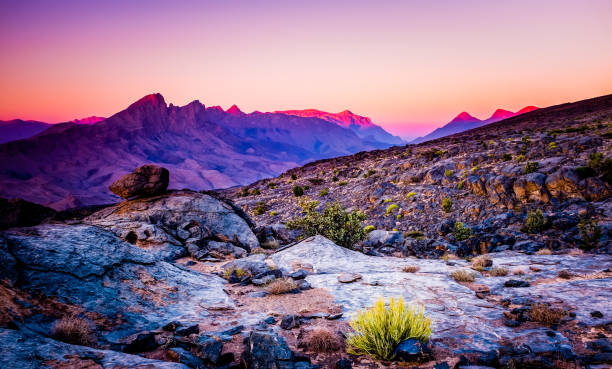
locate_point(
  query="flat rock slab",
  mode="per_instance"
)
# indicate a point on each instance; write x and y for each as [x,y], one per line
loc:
[32,352]
[91,268]
[460,320]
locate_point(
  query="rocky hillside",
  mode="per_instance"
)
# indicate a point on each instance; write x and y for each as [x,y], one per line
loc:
[72,164]
[493,179]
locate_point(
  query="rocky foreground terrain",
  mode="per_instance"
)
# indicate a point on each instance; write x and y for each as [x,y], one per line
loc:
[186,279]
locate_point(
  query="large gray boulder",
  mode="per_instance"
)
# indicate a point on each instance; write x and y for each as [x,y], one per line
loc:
[147,180]
[91,269]
[167,224]
[32,352]
[531,187]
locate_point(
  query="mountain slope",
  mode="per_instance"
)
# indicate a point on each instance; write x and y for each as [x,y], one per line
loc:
[362,126]
[465,121]
[18,129]
[203,148]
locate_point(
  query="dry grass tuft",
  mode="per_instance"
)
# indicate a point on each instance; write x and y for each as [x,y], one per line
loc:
[544,252]
[280,286]
[411,269]
[499,272]
[322,340]
[73,330]
[565,274]
[463,276]
[543,313]
[482,261]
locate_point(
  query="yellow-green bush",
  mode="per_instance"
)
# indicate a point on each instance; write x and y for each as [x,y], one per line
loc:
[410,194]
[392,208]
[379,330]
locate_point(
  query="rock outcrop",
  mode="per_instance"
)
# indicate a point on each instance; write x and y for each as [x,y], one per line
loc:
[145,181]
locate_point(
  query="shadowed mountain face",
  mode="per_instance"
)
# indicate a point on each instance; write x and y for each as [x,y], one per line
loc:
[362,126]
[72,164]
[17,129]
[465,121]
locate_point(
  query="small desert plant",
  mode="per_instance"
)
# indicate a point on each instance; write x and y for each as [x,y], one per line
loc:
[293,177]
[323,192]
[564,274]
[482,261]
[391,209]
[463,276]
[369,228]
[460,185]
[335,223]
[447,204]
[72,329]
[387,200]
[322,340]
[530,167]
[410,194]
[334,179]
[261,208]
[280,286]
[273,213]
[585,172]
[525,139]
[535,222]
[589,233]
[474,169]
[342,183]
[552,145]
[245,192]
[543,313]
[411,268]
[413,234]
[461,232]
[448,173]
[240,273]
[298,191]
[506,157]
[499,272]
[379,330]
[520,158]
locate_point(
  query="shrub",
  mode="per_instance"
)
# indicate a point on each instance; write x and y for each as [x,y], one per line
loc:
[585,172]
[461,232]
[482,261]
[72,330]
[564,274]
[240,273]
[398,216]
[463,276]
[499,271]
[273,213]
[335,223]
[293,177]
[369,228]
[506,157]
[322,340]
[261,208]
[392,208]
[530,167]
[602,166]
[379,330]
[342,183]
[474,169]
[411,268]
[387,200]
[460,185]
[520,158]
[448,173]
[447,204]
[552,145]
[323,192]
[298,191]
[245,192]
[535,222]
[543,313]
[280,286]
[589,233]
[410,194]
[334,179]
[525,139]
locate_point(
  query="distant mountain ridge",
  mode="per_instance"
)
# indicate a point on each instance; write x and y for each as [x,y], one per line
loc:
[70,164]
[465,121]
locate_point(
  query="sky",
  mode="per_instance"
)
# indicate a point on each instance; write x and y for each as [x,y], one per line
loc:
[411,66]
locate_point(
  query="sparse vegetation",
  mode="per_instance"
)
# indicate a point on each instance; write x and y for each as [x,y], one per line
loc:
[411,268]
[298,191]
[342,183]
[447,204]
[280,286]
[460,185]
[564,274]
[260,208]
[369,228]
[74,330]
[391,208]
[240,273]
[293,177]
[552,145]
[499,271]
[378,331]
[410,194]
[323,192]
[520,158]
[531,167]
[322,340]
[448,173]
[482,261]
[542,313]
[589,233]
[535,222]
[463,276]
[461,232]
[506,157]
[335,223]
[273,213]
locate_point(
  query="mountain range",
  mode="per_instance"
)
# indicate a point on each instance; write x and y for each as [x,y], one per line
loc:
[18,129]
[465,121]
[71,164]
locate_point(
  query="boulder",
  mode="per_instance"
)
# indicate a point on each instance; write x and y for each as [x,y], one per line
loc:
[21,213]
[499,189]
[170,222]
[254,264]
[147,180]
[268,350]
[475,184]
[411,350]
[563,183]
[531,187]
[594,189]
[377,238]
[349,277]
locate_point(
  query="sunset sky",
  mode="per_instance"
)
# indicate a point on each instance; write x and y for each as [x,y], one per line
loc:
[409,65]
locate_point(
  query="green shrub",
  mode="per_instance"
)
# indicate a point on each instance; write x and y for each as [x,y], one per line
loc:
[506,157]
[298,191]
[392,208]
[335,223]
[261,208]
[531,167]
[448,173]
[323,192]
[256,191]
[342,183]
[369,228]
[413,234]
[379,330]
[535,222]
[589,232]
[460,185]
[520,158]
[410,194]
[398,216]
[334,179]
[447,204]
[463,276]
[461,232]
[585,172]
[293,177]
[387,200]
[474,169]
[273,213]
[245,192]
[525,139]
[602,166]
[552,145]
